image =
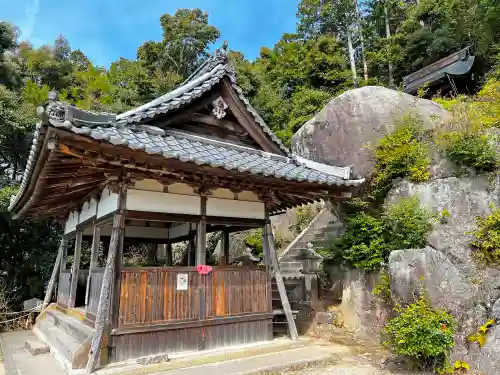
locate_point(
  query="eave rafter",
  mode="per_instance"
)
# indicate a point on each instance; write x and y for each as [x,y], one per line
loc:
[103,156]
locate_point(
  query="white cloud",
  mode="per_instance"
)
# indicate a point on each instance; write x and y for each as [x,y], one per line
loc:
[28,24]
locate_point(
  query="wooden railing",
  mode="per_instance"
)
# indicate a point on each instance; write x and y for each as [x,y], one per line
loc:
[96,279]
[63,288]
[152,295]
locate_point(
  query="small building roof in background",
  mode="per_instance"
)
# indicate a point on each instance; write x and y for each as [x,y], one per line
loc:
[455,65]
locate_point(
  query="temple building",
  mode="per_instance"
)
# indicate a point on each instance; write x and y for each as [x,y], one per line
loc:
[450,76]
[194,161]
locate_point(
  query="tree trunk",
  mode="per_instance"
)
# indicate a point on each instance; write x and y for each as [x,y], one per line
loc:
[351,57]
[362,42]
[388,35]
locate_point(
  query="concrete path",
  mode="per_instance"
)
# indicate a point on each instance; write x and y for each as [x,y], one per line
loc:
[266,362]
[17,361]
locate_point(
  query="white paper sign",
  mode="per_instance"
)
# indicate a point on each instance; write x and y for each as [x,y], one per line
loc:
[182,281]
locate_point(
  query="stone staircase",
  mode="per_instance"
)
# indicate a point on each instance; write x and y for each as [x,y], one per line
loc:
[299,258]
[66,335]
[319,233]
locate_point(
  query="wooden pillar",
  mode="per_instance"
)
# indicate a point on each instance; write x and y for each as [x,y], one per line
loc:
[279,280]
[94,254]
[201,234]
[265,247]
[114,308]
[225,247]
[64,258]
[191,247]
[104,300]
[161,253]
[53,277]
[75,269]
[169,254]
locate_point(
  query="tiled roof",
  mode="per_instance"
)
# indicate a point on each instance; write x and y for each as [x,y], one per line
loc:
[193,89]
[128,129]
[203,151]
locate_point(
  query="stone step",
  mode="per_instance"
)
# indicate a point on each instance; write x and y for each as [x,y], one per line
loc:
[62,346]
[67,337]
[73,327]
[36,347]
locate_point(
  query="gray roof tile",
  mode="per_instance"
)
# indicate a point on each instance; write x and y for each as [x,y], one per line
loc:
[126,130]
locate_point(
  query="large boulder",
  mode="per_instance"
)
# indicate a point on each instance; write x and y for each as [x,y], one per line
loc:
[446,268]
[430,270]
[464,198]
[342,133]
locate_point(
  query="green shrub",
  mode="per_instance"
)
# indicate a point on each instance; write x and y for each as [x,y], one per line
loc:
[364,243]
[254,240]
[402,153]
[303,217]
[408,223]
[423,333]
[469,148]
[487,238]
[368,240]
[383,288]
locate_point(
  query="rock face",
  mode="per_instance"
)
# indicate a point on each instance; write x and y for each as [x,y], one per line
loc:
[340,133]
[464,198]
[363,312]
[452,278]
[446,285]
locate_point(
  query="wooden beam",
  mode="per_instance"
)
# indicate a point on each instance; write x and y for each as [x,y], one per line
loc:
[220,123]
[185,113]
[94,253]
[192,323]
[169,254]
[64,259]
[225,246]
[75,269]
[201,234]
[246,119]
[279,281]
[104,299]
[53,278]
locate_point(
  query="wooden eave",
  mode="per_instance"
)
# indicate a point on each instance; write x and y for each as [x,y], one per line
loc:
[78,167]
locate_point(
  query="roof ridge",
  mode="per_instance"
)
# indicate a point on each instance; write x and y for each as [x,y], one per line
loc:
[172,94]
[220,56]
[236,147]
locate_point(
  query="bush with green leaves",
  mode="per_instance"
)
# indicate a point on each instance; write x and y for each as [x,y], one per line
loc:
[487,238]
[368,240]
[407,223]
[254,240]
[423,333]
[470,148]
[404,153]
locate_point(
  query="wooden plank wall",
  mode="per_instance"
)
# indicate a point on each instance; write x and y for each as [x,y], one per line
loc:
[63,288]
[190,339]
[149,296]
[96,279]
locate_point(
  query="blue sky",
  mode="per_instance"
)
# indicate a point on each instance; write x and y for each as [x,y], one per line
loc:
[106,30]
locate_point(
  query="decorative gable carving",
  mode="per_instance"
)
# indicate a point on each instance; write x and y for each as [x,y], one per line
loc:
[220,107]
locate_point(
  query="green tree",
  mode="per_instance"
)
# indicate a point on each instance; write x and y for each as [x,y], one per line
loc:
[17,121]
[333,17]
[186,38]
